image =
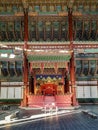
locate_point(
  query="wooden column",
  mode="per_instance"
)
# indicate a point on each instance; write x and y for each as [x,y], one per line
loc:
[72,79]
[31,84]
[63,75]
[34,84]
[67,78]
[26,26]
[25,64]
[70,23]
[72,66]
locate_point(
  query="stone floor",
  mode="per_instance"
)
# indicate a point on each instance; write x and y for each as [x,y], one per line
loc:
[23,113]
[93,108]
[75,121]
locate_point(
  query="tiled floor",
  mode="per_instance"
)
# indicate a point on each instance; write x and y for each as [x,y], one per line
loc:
[76,121]
[93,108]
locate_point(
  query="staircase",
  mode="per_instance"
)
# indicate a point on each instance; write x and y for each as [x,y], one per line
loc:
[35,101]
[49,100]
[60,101]
[64,100]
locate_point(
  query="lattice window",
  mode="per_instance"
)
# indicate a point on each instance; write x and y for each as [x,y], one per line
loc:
[48,30]
[85,68]
[52,8]
[15,9]
[12,68]
[31,8]
[18,68]
[78,29]
[78,67]
[92,67]
[4,69]
[58,8]
[37,9]
[86,30]
[32,31]
[93,30]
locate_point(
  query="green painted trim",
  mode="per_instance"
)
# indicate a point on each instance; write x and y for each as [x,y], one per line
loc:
[91,50]
[6,51]
[85,78]
[87,100]
[9,78]
[48,58]
[48,13]
[7,13]
[10,101]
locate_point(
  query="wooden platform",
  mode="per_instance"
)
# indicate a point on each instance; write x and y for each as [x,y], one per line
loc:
[61,101]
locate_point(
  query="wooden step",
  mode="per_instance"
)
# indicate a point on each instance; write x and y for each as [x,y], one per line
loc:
[40,101]
[49,99]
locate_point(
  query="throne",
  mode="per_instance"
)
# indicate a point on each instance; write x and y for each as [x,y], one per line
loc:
[49,89]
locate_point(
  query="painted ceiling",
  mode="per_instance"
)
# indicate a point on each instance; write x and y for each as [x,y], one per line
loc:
[48,20]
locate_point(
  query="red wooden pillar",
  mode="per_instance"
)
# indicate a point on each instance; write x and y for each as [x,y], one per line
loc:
[25,64]
[72,66]
[67,77]
[63,81]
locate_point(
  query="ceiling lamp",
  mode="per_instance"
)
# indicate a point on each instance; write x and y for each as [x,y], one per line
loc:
[38,50]
[12,56]
[18,48]
[4,55]
[63,51]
